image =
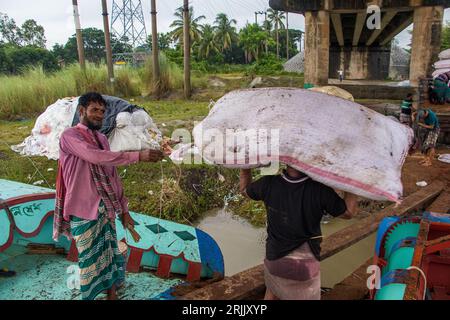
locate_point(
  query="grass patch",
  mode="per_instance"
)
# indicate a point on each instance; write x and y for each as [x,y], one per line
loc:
[29,94]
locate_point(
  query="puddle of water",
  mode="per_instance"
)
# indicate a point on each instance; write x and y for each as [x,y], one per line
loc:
[243,245]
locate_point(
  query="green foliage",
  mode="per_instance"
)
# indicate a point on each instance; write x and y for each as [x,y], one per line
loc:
[225,34]
[267,65]
[20,58]
[194,24]
[445,44]
[207,45]
[9,31]
[32,34]
[164,41]
[252,39]
[94,47]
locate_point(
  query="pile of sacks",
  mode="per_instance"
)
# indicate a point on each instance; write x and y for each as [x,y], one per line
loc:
[128,128]
[443,65]
[333,140]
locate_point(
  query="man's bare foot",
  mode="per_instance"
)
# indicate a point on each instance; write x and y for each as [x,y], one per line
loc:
[112,294]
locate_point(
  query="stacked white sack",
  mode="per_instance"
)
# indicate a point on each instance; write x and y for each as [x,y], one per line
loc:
[443,64]
[44,138]
[444,54]
[335,141]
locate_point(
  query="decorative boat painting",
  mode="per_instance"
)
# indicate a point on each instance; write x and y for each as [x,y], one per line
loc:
[167,255]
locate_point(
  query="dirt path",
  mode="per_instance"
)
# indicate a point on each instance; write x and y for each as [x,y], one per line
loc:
[413,172]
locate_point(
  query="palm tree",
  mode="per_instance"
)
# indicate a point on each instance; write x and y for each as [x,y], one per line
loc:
[177,25]
[276,18]
[252,38]
[207,44]
[225,33]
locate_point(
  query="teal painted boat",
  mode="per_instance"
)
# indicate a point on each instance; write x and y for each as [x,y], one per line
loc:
[167,255]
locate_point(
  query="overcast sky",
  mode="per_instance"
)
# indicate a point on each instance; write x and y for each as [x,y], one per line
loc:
[56,15]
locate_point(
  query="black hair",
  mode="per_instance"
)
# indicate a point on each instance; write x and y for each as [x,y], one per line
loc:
[409,95]
[86,99]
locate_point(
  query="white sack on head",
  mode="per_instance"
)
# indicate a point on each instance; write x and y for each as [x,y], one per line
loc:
[335,141]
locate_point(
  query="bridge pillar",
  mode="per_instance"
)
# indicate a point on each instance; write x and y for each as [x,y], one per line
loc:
[317,45]
[426,41]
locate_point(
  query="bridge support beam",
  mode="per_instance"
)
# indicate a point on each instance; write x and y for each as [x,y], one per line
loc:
[426,41]
[317,45]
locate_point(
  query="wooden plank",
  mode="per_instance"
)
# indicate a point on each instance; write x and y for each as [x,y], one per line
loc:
[251,282]
[237,287]
[441,204]
[348,236]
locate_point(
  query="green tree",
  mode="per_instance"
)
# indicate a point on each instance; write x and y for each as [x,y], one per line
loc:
[9,31]
[22,57]
[32,34]
[164,40]
[194,26]
[252,39]
[445,42]
[4,60]
[207,44]
[276,18]
[94,46]
[225,33]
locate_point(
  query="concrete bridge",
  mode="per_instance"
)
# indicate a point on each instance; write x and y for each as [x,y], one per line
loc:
[337,36]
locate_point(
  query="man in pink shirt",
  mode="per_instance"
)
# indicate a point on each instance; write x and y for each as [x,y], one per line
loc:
[90,195]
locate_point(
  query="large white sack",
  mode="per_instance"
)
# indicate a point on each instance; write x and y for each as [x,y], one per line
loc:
[439,71]
[442,64]
[335,141]
[44,138]
[444,54]
[134,132]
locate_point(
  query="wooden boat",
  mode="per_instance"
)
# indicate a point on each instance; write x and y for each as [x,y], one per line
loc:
[177,254]
[413,255]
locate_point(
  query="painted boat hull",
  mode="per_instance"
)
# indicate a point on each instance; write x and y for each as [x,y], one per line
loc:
[26,216]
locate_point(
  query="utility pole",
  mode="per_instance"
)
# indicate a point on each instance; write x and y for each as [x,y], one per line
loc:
[80,45]
[268,33]
[276,33]
[107,43]
[287,36]
[155,51]
[187,51]
[256,17]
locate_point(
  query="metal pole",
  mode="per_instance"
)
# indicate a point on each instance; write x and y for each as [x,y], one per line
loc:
[80,45]
[107,43]
[267,29]
[256,17]
[155,50]
[187,51]
[276,34]
[287,36]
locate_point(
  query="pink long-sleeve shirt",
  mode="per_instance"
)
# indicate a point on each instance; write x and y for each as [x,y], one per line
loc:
[75,154]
